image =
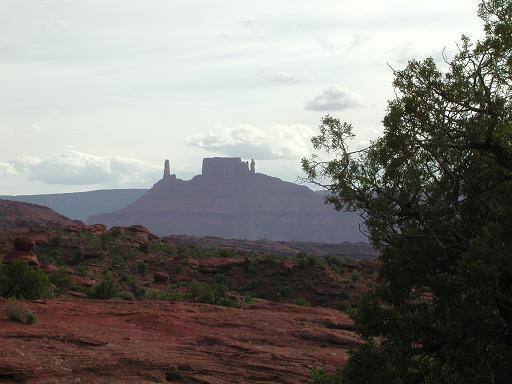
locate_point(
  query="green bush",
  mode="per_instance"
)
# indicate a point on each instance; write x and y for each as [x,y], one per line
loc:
[62,281]
[306,261]
[209,294]
[336,264]
[20,280]
[107,288]
[302,302]
[356,276]
[142,268]
[17,312]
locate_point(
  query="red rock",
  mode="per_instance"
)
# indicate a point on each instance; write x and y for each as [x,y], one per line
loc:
[84,282]
[160,277]
[144,341]
[141,232]
[26,256]
[288,265]
[24,244]
[96,228]
[219,265]
[79,295]
[49,268]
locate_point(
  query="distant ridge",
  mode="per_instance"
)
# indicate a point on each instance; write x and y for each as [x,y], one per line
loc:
[231,200]
[15,214]
[81,205]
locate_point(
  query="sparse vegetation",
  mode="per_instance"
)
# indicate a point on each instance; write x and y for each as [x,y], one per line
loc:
[16,311]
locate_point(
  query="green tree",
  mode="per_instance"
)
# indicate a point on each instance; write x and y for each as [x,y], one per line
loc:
[435,195]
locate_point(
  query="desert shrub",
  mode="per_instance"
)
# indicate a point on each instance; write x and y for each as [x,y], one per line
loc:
[20,280]
[17,312]
[151,294]
[81,270]
[209,294]
[320,376]
[126,295]
[270,259]
[302,302]
[306,261]
[156,248]
[142,268]
[226,252]
[144,248]
[62,281]
[107,241]
[179,269]
[249,266]
[56,242]
[356,276]
[107,288]
[336,264]
[130,280]
[219,278]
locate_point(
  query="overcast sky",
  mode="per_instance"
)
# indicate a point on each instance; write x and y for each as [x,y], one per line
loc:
[97,93]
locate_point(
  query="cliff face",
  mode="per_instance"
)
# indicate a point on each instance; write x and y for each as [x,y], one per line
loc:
[231,200]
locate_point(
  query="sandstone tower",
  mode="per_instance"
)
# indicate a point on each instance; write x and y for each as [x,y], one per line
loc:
[167,169]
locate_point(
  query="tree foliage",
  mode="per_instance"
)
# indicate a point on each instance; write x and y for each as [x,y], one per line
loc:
[435,193]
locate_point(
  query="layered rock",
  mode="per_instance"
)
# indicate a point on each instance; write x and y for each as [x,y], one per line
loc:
[140,342]
[231,200]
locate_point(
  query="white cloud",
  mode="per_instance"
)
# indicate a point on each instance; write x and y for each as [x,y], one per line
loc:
[7,169]
[334,98]
[77,168]
[284,78]
[281,141]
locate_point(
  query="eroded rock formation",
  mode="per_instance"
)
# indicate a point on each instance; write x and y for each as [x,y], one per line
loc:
[231,200]
[23,251]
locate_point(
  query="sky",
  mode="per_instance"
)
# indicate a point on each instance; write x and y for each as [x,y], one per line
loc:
[96,94]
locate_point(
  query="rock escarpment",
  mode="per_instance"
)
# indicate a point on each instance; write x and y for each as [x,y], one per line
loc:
[231,200]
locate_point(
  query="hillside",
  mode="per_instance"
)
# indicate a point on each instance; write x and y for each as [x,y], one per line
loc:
[229,200]
[16,214]
[81,205]
[146,267]
[178,311]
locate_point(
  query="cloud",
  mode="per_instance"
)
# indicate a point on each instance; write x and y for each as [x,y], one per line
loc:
[280,141]
[334,98]
[7,169]
[284,78]
[77,168]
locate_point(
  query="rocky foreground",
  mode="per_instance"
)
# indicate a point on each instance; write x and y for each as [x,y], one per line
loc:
[87,341]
